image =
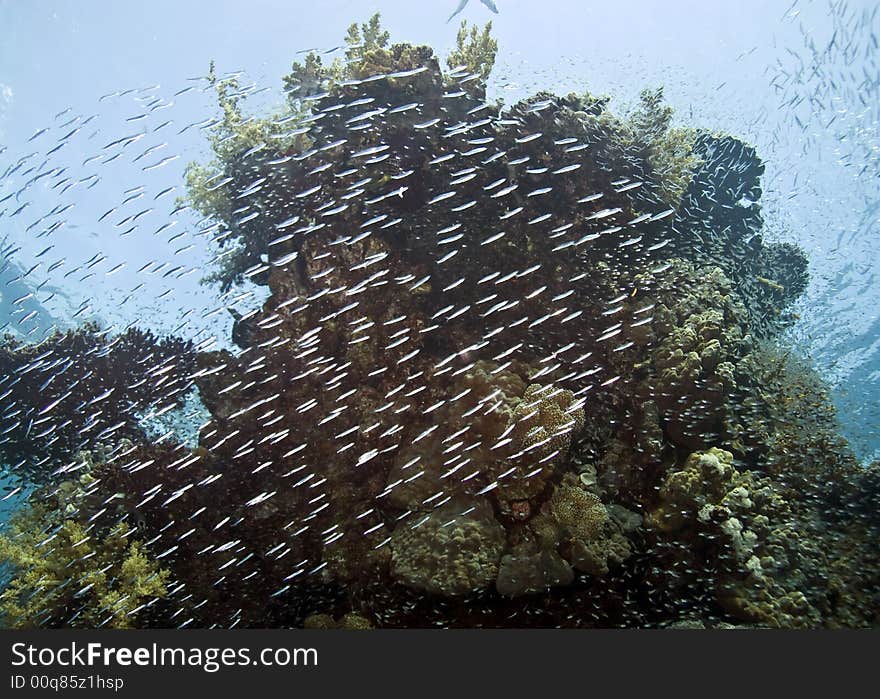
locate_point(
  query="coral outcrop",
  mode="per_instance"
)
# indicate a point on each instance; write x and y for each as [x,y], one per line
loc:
[769,571]
[513,365]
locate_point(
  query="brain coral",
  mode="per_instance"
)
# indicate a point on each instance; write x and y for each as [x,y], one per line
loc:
[453,551]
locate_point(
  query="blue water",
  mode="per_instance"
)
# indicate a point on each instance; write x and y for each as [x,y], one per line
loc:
[722,66]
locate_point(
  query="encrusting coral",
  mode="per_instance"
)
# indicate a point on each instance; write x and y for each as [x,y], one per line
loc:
[453,551]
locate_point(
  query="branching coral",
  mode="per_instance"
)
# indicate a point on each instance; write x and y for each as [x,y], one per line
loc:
[474,50]
[670,151]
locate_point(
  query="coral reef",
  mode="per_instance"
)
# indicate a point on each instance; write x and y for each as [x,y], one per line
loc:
[515,369]
[768,571]
[529,568]
[517,435]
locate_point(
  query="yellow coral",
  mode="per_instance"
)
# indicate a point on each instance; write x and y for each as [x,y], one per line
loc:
[669,150]
[543,424]
[68,575]
[578,512]
[475,49]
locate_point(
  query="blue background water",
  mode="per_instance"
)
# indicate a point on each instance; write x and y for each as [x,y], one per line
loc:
[722,65]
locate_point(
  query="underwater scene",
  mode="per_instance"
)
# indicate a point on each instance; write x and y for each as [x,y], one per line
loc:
[440,314]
